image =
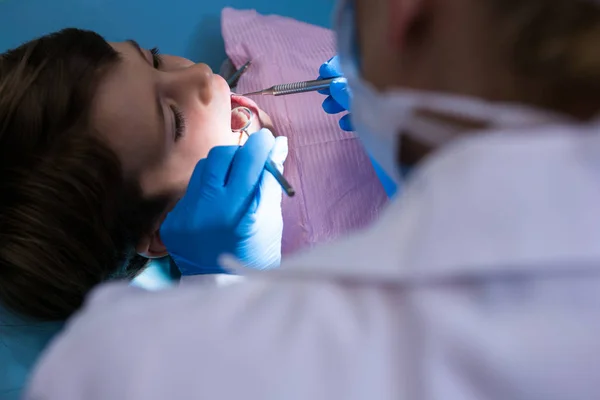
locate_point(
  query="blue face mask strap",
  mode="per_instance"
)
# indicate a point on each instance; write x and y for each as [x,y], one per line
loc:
[388,183]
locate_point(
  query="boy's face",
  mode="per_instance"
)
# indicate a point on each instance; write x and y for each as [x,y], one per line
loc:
[162,114]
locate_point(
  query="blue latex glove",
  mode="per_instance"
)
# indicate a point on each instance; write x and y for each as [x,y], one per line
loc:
[232,206]
[339,94]
[337,101]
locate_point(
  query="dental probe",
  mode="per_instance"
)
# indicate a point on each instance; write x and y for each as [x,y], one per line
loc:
[294,88]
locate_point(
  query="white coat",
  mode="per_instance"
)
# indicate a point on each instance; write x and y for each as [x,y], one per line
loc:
[482,281]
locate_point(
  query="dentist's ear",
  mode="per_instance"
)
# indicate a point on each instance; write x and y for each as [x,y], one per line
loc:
[406,17]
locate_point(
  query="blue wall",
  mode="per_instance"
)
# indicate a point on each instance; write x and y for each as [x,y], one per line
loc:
[189,28]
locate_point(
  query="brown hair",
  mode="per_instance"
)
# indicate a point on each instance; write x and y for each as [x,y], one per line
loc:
[68,217]
[555,43]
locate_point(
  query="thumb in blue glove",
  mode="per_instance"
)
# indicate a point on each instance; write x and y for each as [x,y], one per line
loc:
[338,94]
[264,218]
[232,206]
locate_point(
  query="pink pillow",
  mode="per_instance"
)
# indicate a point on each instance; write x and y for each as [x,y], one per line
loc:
[337,189]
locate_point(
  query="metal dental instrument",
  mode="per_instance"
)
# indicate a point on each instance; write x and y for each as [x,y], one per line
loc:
[269,165]
[233,80]
[285,185]
[293,88]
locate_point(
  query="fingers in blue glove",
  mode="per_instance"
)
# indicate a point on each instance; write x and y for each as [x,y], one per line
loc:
[341,92]
[249,162]
[196,180]
[331,68]
[331,106]
[217,165]
[346,123]
[326,92]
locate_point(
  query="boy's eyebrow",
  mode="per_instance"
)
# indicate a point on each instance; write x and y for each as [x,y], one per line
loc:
[138,48]
[159,107]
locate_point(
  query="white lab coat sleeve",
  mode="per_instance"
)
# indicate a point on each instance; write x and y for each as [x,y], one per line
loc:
[321,339]
[255,340]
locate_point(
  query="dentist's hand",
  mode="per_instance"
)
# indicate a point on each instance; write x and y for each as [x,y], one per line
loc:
[338,95]
[233,206]
[338,100]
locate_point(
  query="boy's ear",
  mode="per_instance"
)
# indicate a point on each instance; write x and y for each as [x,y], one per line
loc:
[151,245]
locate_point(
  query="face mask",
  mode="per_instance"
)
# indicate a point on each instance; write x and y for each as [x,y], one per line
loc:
[380,119]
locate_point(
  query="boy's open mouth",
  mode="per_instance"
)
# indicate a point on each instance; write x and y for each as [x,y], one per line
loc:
[240,117]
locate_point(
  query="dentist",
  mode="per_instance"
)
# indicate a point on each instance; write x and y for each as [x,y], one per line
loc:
[481,281]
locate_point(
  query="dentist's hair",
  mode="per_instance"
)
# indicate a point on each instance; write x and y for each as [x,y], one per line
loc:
[69,218]
[555,43]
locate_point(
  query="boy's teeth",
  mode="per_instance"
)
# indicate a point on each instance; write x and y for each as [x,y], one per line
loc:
[239,119]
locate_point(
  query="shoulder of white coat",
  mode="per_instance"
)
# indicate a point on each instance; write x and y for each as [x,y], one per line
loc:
[492,204]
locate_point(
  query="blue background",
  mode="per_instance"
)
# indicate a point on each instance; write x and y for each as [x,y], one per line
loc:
[188,28]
